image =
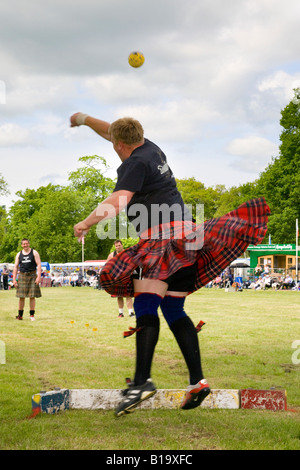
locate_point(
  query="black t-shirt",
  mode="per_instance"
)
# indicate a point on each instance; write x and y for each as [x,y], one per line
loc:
[27,262]
[156,199]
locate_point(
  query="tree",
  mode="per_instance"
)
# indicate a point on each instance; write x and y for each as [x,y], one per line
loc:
[91,180]
[91,177]
[3,222]
[194,193]
[19,217]
[3,186]
[235,196]
[280,182]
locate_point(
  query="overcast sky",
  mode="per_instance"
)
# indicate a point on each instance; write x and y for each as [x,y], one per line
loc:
[216,75]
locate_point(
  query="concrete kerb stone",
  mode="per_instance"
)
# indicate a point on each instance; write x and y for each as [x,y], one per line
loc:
[107,399]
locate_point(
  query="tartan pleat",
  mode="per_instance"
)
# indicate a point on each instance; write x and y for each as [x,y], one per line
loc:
[224,239]
[27,286]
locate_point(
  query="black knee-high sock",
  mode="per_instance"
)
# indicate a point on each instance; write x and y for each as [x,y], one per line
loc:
[187,339]
[146,340]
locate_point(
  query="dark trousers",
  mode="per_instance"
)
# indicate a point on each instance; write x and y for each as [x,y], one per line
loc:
[5,282]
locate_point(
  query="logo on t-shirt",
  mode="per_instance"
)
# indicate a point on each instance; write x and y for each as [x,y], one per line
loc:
[163,168]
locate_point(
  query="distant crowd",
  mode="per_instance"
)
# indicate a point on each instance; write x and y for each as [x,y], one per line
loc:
[260,280]
[75,279]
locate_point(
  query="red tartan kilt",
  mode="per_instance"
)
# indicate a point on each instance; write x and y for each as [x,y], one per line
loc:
[213,245]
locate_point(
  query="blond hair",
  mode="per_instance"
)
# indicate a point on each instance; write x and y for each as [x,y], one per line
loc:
[127,130]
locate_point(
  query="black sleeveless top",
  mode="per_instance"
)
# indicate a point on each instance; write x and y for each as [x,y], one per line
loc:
[27,262]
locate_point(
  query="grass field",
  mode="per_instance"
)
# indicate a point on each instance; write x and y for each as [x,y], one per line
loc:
[246,342]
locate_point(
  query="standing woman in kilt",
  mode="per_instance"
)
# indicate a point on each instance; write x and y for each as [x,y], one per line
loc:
[28,263]
[173,258]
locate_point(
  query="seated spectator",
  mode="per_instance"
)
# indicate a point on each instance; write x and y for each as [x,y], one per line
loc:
[74,280]
[228,278]
[93,281]
[266,270]
[218,282]
[247,283]
[277,283]
[267,281]
[53,280]
[259,284]
[258,270]
[288,282]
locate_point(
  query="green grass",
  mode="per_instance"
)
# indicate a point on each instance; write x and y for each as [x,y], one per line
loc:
[246,342]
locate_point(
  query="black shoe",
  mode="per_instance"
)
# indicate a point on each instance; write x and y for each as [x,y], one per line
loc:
[134,395]
[121,315]
[18,317]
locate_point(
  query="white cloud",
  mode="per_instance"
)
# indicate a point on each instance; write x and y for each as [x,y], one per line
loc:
[253,153]
[115,87]
[50,125]
[2,92]
[12,135]
[28,93]
[280,84]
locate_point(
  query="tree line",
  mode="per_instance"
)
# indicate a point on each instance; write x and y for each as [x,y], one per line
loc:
[47,215]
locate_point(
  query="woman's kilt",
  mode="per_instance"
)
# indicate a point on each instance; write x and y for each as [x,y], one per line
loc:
[212,245]
[27,286]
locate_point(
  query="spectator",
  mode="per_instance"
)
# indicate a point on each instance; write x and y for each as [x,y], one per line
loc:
[5,274]
[266,270]
[258,270]
[29,263]
[267,281]
[118,249]
[288,282]
[74,280]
